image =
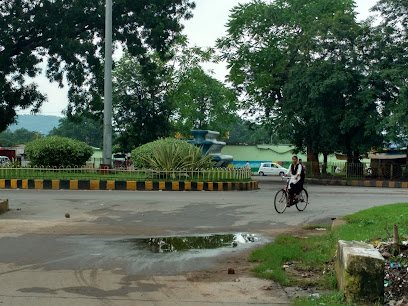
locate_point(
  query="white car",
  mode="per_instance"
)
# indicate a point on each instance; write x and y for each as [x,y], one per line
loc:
[271,169]
[4,160]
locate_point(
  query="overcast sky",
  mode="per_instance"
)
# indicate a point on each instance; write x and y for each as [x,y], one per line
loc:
[208,24]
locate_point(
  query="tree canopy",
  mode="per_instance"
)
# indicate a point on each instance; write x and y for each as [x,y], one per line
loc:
[17,137]
[141,110]
[80,128]
[68,35]
[389,68]
[301,68]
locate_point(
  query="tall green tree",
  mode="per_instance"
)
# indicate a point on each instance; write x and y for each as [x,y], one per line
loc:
[80,128]
[69,36]
[390,68]
[200,101]
[141,110]
[294,62]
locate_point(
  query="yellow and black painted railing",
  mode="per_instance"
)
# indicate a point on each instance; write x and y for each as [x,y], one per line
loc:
[125,185]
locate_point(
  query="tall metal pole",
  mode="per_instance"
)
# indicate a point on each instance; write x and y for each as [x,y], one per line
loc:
[107,114]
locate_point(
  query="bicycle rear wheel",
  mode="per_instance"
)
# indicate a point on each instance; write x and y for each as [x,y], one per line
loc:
[281,199]
[303,200]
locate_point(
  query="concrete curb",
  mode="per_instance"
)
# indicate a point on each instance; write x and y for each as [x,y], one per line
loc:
[364,183]
[125,185]
[4,207]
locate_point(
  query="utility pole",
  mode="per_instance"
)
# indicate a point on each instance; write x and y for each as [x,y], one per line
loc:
[107,112]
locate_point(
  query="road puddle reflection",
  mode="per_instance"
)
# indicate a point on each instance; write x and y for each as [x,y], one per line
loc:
[180,244]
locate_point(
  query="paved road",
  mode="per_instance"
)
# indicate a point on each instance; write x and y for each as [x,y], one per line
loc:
[90,259]
[170,213]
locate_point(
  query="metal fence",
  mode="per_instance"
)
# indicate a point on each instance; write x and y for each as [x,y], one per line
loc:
[358,170]
[126,174]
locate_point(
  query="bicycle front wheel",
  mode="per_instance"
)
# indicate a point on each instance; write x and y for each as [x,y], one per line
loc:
[303,200]
[281,199]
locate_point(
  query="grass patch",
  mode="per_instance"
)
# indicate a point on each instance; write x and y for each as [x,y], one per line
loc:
[308,254]
[371,223]
[332,299]
[315,252]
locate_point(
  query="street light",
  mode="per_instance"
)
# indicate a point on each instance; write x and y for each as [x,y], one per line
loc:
[107,112]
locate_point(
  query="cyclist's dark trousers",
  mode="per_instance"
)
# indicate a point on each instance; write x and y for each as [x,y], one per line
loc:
[295,188]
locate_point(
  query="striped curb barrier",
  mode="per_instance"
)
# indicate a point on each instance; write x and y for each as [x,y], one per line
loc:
[125,185]
[365,183]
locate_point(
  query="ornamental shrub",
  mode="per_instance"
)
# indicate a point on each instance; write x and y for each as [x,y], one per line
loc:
[170,154]
[56,151]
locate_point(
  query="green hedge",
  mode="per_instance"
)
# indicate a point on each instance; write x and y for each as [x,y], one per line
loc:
[55,151]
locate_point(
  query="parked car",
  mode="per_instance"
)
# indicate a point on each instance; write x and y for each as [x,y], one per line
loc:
[271,169]
[4,160]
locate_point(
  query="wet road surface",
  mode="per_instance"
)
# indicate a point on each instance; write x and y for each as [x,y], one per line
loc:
[86,260]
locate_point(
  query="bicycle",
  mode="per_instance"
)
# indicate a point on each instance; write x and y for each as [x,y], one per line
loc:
[283,199]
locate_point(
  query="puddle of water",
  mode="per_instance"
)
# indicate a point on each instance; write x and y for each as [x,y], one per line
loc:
[180,244]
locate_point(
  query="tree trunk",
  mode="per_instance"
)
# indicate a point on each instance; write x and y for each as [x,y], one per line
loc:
[406,159]
[324,166]
[312,160]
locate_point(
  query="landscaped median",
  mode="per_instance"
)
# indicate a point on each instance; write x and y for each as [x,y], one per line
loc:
[357,183]
[41,184]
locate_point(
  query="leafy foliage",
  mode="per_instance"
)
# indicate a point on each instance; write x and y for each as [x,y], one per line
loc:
[68,35]
[302,65]
[20,136]
[55,151]
[200,101]
[80,128]
[140,109]
[170,154]
[247,132]
[389,67]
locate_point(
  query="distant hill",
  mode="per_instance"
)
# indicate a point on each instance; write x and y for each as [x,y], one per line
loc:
[37,123]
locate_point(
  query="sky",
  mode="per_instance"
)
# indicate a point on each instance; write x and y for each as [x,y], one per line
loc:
[207,25]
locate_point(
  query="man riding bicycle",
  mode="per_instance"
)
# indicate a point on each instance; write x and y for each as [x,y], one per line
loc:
[295,184]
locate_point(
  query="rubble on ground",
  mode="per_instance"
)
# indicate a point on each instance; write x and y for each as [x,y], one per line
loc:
[395,272]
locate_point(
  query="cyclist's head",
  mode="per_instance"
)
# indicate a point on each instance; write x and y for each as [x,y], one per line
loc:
[294,159]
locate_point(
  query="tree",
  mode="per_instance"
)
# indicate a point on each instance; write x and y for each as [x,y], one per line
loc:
[247,132]
[80,128]
[200,101]
[20,136]
[141,110]
[68,35]
[389,68]
[278,54]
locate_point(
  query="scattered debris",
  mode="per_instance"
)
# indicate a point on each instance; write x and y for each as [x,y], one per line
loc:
[396,272]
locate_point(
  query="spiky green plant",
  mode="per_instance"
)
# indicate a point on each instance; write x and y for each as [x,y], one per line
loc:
[171,154]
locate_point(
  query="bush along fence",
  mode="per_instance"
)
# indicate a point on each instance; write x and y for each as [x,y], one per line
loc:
[217,179]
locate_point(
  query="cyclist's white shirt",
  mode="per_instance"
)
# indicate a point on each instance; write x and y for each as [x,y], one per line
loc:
[293,176]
